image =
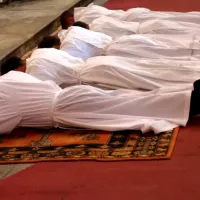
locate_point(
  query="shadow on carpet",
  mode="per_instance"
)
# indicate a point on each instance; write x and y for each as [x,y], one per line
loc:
[31,145]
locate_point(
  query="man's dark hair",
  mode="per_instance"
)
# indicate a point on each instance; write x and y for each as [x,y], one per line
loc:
[65,19]
[49,42]
[81,24]
[10,64]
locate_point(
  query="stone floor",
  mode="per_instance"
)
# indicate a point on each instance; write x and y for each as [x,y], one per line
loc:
[21,20]
[100,2]
[7,170]
[17,20]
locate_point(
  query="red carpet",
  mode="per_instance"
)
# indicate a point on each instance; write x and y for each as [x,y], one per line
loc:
[169,5]
[152,180]
[175,179]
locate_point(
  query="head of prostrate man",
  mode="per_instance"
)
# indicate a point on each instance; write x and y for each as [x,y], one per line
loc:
[66,19]
[13,63]
[50,42]
[81,24]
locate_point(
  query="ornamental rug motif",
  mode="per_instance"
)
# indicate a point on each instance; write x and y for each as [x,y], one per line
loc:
[33,145]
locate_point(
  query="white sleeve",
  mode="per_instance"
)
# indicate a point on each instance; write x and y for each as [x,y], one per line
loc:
[78,12]
[62,34]
[9,116]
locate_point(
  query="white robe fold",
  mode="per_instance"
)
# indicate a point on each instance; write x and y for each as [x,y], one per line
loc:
[114,72]
[140,10]
[111,72]
[89,107]
[133,13]
[179,47]
[91,12]
[83,43]
[160,26]
[34,103]
[25,101]
[192,17]
[55,65]
[116,28]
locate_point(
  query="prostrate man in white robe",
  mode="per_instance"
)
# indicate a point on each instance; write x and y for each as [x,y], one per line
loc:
[28,102]
[160,26]
[49,63]
[79,41]
[116,28]
[92,12]
[134,12]
[153,46]
[142,16]
[110,72]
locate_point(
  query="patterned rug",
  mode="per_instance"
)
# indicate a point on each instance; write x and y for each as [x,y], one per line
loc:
[30,145]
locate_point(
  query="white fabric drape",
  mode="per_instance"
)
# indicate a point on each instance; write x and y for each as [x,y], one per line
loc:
[55,65]
[114,27]
[83,43]
[153,46]
[29,102]
[91,12]
[25,101]
[114,72]
[160,26]
[110,72]
[89,107]
[171,16]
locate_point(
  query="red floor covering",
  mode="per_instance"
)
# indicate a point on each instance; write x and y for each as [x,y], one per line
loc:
[169,5]
[177,178]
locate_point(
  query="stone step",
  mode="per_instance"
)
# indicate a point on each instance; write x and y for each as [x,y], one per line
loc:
[24,23]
